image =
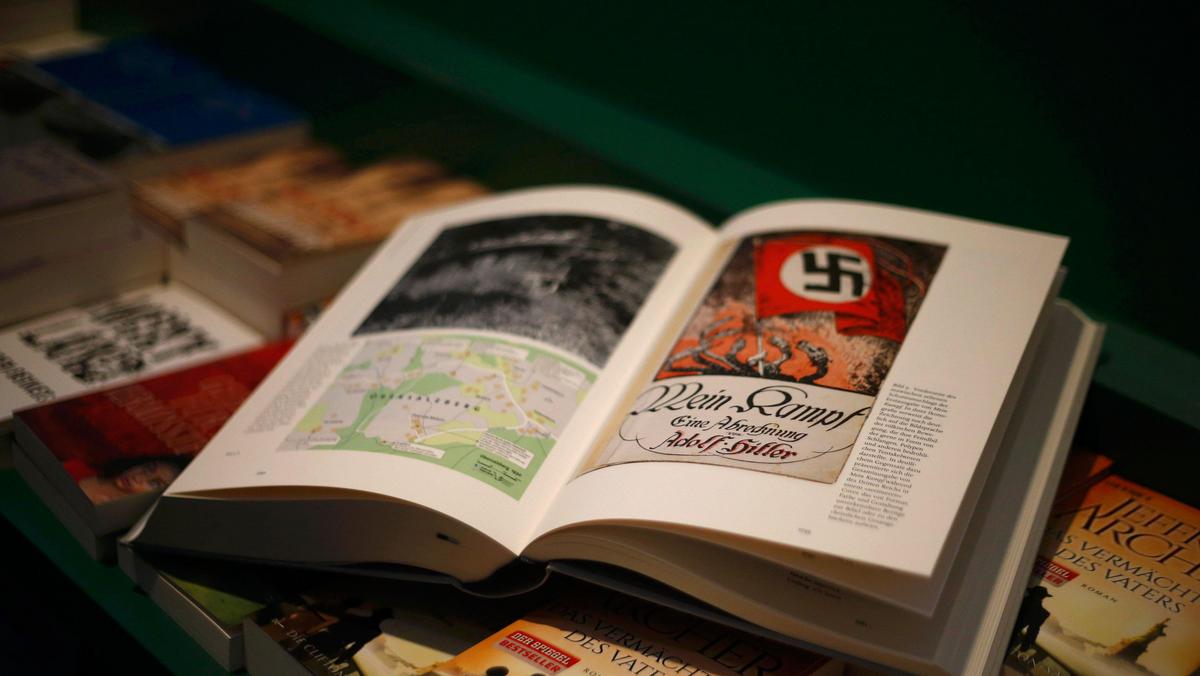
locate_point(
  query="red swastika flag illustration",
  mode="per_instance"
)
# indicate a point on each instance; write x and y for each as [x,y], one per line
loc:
[828,273]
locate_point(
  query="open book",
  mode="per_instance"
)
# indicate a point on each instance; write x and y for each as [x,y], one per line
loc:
[796,410]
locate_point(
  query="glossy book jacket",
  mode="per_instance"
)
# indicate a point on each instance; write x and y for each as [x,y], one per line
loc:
[135,438]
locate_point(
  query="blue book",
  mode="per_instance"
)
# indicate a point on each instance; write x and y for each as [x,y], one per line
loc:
[175,99]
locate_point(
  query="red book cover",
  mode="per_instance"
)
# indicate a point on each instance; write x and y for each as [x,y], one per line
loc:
[136,438]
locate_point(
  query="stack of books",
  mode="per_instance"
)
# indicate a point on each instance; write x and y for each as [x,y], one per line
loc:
[69,235]
[95,272]
[74,126]
[823,422]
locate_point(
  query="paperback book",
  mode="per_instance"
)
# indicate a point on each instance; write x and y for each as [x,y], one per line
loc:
[278,235]
[1116,587]
[792,417]
[161,109]
[36,108]
[171,200]
[590,631]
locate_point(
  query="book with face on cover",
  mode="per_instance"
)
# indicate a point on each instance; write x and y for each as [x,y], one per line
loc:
[1116,587]
[108,454]
[828,419]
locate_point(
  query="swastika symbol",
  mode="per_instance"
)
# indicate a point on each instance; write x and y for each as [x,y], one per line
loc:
[827,274]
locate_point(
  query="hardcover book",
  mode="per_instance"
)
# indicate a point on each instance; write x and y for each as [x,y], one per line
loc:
[1116,587]
[139,107]
[792,418]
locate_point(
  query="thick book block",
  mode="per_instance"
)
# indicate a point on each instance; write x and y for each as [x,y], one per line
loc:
[817,417]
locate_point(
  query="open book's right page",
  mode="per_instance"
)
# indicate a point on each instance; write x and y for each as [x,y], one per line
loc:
[833,390]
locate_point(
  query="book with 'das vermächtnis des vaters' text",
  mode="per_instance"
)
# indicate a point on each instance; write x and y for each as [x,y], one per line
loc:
[791,417]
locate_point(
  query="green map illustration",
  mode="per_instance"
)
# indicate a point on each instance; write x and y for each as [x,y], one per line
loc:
[488,408]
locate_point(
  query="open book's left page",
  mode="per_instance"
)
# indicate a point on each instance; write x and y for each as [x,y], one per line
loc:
[470,363]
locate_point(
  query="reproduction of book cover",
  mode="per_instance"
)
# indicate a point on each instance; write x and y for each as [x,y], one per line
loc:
[485,349]
[360,627]
[603,633]
[133,439]
[1116,587]
[779,366]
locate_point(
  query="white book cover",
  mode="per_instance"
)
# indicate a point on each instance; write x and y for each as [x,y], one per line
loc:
[134,335]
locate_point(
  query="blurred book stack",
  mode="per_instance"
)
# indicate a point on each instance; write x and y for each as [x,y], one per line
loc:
[68,233]
[79,117]
[275,237]
[40,27]
[128,164]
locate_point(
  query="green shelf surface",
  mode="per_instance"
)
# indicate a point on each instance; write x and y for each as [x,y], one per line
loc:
[106,585]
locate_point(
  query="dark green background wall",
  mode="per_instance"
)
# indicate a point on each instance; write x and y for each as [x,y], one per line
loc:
[1069,119]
